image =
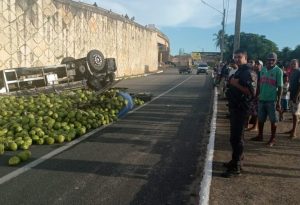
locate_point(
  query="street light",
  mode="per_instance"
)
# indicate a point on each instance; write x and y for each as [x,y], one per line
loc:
[223,27]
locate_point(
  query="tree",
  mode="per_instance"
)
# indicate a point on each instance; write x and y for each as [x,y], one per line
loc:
[296,53]
[257,46]
[285,53]
[218,38]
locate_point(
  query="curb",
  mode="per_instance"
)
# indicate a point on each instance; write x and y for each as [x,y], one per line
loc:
[207,176]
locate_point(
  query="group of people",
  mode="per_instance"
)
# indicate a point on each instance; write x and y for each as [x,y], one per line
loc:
[256,92]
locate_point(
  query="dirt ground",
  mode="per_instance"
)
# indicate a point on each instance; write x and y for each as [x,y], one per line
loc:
[271,174]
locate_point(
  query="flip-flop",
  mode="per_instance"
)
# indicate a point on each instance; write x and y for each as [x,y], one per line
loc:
[271,143]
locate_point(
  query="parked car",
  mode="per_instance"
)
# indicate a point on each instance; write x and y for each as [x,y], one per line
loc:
[202,68]
[184,69]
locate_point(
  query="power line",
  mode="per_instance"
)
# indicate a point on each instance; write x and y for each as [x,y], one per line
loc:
[223,25]
[212,7]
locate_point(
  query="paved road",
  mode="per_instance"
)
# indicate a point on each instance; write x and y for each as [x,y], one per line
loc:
[151,156]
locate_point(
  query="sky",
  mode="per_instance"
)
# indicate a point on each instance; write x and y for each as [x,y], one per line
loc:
[191,24]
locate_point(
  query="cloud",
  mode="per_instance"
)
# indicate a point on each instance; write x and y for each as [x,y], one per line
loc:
[270,10]
[193,13]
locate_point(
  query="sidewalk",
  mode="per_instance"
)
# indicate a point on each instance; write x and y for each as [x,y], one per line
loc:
[271,174]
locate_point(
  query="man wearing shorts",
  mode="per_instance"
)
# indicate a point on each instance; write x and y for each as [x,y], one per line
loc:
[271,82]
[294,95]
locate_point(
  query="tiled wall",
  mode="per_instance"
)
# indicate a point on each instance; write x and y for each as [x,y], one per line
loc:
[43,32]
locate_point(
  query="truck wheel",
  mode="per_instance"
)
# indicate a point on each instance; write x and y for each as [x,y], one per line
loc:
[96,60]
[67,60]
[81,69]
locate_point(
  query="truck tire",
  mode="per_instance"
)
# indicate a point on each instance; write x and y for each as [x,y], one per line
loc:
[81,69]
[67,60]
[96,61]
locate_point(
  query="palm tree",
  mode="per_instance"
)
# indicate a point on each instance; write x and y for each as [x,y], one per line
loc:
[218,38]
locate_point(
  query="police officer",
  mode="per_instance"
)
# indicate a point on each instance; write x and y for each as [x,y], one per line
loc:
[241,90]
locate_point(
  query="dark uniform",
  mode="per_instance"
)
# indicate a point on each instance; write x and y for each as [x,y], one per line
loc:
[239,105]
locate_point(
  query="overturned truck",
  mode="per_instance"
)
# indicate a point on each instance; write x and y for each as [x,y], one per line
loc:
[93,71]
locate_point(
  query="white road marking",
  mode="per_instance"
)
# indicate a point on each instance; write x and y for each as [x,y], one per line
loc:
[48,156]
[207,177]
[57,151]
[138,76]
[160,95]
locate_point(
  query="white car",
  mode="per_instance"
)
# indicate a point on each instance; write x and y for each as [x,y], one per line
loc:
[202,68]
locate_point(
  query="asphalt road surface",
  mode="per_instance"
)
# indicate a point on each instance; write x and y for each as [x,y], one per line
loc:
[153,155]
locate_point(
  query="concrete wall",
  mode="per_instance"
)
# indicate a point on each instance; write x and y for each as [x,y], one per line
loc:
[42,32]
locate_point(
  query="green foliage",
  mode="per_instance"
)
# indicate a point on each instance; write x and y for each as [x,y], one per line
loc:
[287,54]
[218,39]
[296,53]
[257,46]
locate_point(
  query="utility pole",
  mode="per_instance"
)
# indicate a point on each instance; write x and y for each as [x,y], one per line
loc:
[223,33]
[236,44]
